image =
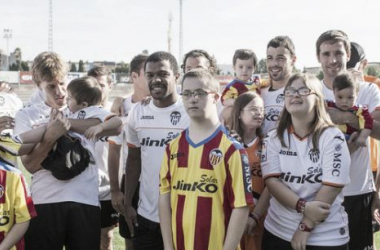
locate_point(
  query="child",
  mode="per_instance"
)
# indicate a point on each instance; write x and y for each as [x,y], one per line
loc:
[205,183]
[345,93]
[84,97]
[247,118]
[16,207]
[244,63]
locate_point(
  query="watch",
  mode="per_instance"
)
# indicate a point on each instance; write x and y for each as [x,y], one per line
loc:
[304,228]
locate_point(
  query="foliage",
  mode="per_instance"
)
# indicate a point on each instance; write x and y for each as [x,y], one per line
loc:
[73,67]
[261,66]
[320,75]
[372,71]
[81,66]
[122,68]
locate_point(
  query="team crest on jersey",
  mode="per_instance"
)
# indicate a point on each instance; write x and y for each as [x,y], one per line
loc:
[314,155]
[280,98]
[175,117]
[215,156]
[81,115]
[1,191]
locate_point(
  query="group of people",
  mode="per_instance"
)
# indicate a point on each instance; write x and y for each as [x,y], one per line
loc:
[291,170]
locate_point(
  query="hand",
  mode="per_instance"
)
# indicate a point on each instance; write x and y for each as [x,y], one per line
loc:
[6,122]
[336,115]
[131,218]
[117,199]
[299,240]
[376,208]
[250,227]
[57,126]
[351,143]
[361,142]
[317,211]
[93,132]
[357,74]
[5,88]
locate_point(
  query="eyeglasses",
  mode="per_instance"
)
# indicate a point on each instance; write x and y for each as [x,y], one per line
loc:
[304,91]
[196,94]
[254,110]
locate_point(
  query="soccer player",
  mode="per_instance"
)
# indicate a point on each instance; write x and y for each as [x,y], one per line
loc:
[204,179]
[333,52]
[305,164]
[198,59]
[116,144]
[68,211]
[281,57]
[150,128]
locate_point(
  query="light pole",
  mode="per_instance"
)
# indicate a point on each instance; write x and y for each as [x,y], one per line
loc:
[8,35]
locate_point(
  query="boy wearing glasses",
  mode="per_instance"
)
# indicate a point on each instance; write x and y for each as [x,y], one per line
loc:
[205,183]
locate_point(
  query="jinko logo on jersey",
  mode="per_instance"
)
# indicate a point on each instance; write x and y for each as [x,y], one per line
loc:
[207,184]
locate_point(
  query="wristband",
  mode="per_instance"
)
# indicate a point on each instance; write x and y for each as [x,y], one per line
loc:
[304,228]
[255,217]
[300,206]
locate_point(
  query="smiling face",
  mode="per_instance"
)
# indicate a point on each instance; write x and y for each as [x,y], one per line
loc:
[333,58]
[252,114]
[300,105]
[161,80]
[280,63]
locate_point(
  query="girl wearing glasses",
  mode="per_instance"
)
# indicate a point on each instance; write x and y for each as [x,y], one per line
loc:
[247,118]
[305,164]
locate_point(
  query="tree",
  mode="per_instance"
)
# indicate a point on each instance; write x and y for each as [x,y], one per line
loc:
[24,66]
[122,68]
[73,68]
[81,66]
[373,71]
[320,75]
[261,66]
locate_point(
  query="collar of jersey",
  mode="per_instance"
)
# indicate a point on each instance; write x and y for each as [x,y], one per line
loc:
[204,141]
[291,131]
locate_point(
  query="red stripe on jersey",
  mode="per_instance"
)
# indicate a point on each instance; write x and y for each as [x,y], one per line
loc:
[28,199]
[203,223]
[213,144]
[168,176]
[2,236]
[3,183]
[179,219]
[228,190]
[183,149]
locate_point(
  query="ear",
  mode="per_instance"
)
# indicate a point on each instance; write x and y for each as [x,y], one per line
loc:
[363,64]
[85,104]
[216,98]
[177,77]
[134,76]
[294,59]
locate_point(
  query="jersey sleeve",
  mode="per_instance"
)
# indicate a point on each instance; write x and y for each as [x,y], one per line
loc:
[22,122]
[336,161]
[23,205]
[132,137]
[165,176]
[238,182]
[116,139]
[374,103]
[270,160]
[230,92]
[365,118]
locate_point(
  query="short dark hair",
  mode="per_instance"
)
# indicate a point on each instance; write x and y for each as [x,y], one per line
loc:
[343,81]
[205,76]
[284,41]
[357,55]
[163,56]
[85,89]
[333,36]
[200,53]
[245,54]
[98,71]
[137,63]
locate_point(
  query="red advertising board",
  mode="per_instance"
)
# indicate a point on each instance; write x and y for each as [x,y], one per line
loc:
[26,77]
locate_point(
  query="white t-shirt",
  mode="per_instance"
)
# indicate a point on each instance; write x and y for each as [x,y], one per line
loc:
[303,171]
[47,189]
[37,97]
[360,173]
[151,128]
[9,105]
[273,105]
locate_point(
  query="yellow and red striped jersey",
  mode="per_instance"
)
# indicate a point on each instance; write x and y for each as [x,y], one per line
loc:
[206,182]
[16,205]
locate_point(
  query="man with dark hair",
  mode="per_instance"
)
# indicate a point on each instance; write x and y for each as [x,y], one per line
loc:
[140,90]
[150,128]
[360,196]
[199,59]
[281,57]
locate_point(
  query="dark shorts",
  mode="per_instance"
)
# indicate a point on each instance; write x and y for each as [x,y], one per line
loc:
[272,242]
[147,235]
[358,208]
[70,224]
[123,227]
[108,216]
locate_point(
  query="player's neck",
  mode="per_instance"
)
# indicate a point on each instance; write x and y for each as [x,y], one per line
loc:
[249,136]
[199,130]
[301,125]
[166,101]
[328,82]
[279,84]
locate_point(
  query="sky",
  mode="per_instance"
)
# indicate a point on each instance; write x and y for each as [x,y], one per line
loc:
[117,30]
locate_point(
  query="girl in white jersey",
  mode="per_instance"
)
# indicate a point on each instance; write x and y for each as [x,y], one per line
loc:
[305,165]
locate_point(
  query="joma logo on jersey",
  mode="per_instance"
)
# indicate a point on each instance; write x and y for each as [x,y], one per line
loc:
[196,186]
[154,143]
[175,117]
[147,117]
[310,178]
[337,162]
[284,152]
[280,98]
[81,115]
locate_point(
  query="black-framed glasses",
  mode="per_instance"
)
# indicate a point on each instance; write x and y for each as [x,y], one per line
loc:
[254,110]
[304,91]
[196,94]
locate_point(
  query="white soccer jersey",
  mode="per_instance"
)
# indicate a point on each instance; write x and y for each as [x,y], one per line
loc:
[360,173]
[304,170]
[151,128]
[37,97]
[9,105]
[273,105]
[47,189]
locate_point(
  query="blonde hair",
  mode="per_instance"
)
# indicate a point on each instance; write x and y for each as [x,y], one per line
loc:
[321,119]
[49,67]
